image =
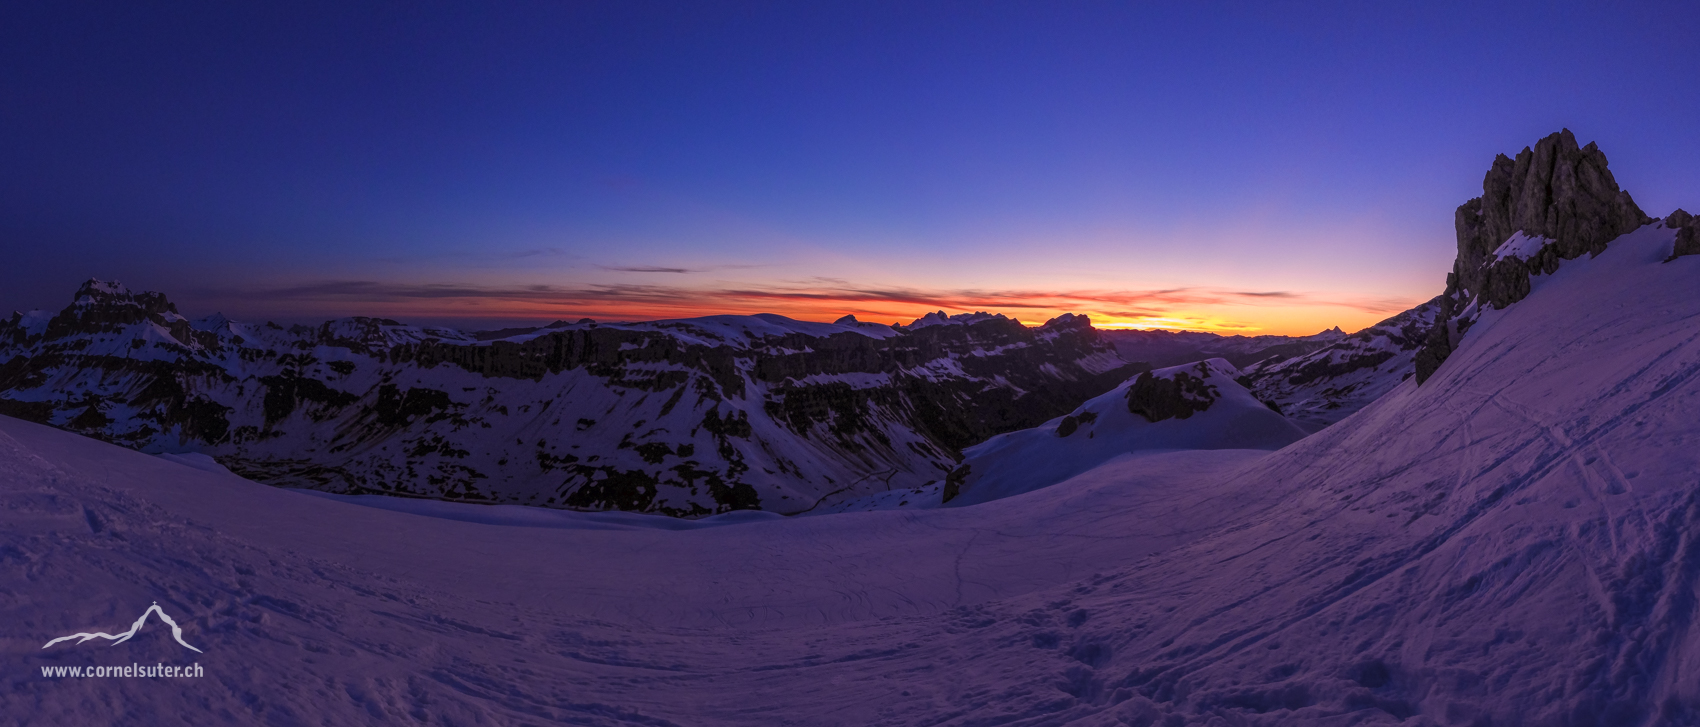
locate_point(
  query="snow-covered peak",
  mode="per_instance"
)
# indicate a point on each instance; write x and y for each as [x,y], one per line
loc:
[103,294]
[94,287]
[33,323]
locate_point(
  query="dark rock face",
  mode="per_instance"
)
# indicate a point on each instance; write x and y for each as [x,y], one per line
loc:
[1554,190]
[1687,228]
[1560,193]
[1157,398]
[953,482]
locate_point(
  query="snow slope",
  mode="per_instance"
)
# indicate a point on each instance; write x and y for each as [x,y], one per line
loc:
[1104,428]
[317,610]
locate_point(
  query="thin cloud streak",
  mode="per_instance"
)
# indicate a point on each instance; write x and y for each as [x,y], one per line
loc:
[818,298]
[648,269]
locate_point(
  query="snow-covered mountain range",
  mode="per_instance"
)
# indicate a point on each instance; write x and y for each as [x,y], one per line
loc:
[685,417]
[1514,540]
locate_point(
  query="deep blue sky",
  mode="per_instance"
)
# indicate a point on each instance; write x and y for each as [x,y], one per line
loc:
[505,161]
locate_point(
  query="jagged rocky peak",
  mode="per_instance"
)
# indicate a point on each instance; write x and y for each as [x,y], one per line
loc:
[95,293]
[1552,203]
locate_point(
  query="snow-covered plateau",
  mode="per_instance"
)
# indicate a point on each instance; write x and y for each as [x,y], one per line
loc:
[1509,537]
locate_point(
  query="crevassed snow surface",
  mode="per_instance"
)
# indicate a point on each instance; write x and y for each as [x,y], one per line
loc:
[1515,542]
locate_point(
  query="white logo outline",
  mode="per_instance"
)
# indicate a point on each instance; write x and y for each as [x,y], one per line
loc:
[176,631]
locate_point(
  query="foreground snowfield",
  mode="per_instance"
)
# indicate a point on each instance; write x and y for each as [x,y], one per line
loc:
[1515,542]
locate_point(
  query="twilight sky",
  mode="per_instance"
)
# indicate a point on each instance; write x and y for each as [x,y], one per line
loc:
[1256,167]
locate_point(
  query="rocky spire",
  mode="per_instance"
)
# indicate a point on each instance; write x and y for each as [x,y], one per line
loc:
[1552,203]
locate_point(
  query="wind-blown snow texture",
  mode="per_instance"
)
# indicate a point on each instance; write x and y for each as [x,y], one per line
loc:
[1515,542]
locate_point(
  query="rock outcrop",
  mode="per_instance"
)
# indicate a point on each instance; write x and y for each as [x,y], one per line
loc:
[1554,202]
[1687,228]
[1175,397]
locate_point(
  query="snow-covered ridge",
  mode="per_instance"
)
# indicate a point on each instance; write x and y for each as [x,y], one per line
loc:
[1223,415]
[1328,384]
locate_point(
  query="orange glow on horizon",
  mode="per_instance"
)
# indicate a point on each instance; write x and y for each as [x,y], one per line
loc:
[471,316]
[476,307]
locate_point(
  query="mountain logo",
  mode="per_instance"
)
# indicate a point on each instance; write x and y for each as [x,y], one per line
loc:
[176,631]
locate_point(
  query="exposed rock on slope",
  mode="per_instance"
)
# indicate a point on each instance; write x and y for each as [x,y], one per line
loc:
[1176,395]
[683,418]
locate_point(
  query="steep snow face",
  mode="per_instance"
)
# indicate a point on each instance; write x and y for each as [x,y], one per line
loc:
[1515,542]
[1108,426]
[686,417]
[1328,384]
